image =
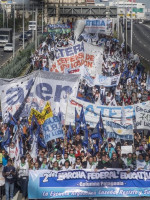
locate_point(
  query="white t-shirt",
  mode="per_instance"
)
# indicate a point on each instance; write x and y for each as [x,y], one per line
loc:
[140,164]
[23,169]
[64,168]
[117,92]
[12,152]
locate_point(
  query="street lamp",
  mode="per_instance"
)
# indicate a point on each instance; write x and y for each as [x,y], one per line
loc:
[14,33]
[118,17]
[131,25]
[23,24]
[42,17]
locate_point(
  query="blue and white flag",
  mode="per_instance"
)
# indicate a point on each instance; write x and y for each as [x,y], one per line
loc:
[148,82]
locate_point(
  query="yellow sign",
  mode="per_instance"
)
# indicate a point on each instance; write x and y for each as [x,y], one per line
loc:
[41,117]
[1,157]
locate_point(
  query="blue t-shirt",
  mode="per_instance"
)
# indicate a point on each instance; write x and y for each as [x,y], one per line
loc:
[10,177]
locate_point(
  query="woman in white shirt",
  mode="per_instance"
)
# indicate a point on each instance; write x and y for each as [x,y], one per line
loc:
[67,165]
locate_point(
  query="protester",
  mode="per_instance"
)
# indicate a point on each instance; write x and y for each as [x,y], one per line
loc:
[9,173]
[78,150]
[23,173]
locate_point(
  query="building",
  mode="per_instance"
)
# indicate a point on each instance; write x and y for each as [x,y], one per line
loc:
[138,10]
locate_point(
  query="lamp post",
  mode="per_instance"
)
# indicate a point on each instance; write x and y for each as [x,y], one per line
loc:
[131,25]
[118,30]
[36,14]
[42,17]
[23,24]
[3,16]
[14,33]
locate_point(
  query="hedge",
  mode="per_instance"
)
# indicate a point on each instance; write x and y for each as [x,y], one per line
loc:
[15,67]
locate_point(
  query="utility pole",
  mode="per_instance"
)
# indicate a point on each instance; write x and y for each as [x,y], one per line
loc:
[42,18]
[23,24]
[118,30]
[3,16]
[7,15]
[131,25]
[36,14]
[33,19]
[126,26]
[14,34]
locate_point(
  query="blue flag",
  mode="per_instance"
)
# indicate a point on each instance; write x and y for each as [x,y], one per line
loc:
[6,139]
[96,133]
[101,121]
[12,120]
[77,122]
[82,117]
[41,142]
[69,132]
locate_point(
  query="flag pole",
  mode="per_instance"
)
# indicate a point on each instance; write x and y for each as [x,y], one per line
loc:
[66,108]
[65,120]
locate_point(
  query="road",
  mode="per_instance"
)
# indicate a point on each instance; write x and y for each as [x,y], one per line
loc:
[4,56]
[141,40]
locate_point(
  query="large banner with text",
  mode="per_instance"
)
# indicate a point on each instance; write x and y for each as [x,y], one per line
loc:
[47,184]
[79,54]
[92,112]
[20,95]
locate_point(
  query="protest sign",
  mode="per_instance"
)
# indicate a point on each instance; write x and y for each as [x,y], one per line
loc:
[41,117]
[126,149]
[92,111]
[83,71]
[107,81]
[142,116]
[75,56]
[47,184]
[58,28]
[20,95]
[98,26]
[52,129]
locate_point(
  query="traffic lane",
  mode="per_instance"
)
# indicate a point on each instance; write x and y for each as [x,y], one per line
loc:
[145,30]
[140,33]
[4,56]
[141,48]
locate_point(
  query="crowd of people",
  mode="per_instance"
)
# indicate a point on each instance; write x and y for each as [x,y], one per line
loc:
[70,152]
[132,85]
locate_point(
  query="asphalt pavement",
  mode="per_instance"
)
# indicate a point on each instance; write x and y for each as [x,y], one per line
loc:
[4,56]
[141,40]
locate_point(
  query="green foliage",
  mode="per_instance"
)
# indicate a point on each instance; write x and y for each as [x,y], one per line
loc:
[15,67]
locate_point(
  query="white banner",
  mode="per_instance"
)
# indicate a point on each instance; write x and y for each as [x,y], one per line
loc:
[107,81]
[142,116]
[92,111]
[103,26]
[19,95]
[69,58]
[83,71]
